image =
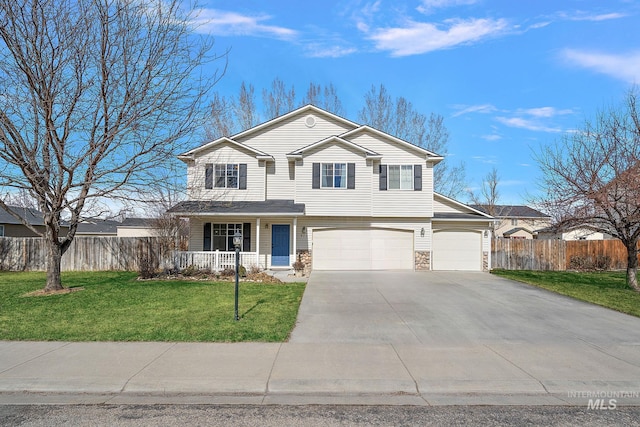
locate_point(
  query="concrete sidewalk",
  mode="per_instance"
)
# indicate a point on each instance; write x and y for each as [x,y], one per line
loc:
[290,373]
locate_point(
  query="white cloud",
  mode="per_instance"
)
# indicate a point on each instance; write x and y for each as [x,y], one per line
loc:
[585,16]
[316,50]
[545,112]
[491,137]
[466,109]
[421,37]
[428,6]
[625,67]
[523,123]
[224,23]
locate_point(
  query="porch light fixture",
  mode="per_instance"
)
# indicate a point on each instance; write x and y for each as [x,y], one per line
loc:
[237,242]
[304,230]
[422,232]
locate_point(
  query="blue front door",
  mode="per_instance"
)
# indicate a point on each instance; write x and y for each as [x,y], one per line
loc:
[280,245]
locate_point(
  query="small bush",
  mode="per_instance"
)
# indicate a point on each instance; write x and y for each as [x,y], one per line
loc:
[191,270]
[298,266]
[587,263]
[147,268]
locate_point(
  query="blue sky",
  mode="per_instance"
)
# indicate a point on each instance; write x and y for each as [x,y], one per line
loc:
[507,75]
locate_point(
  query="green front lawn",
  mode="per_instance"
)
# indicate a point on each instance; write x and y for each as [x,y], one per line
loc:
[114,306]
[607,289]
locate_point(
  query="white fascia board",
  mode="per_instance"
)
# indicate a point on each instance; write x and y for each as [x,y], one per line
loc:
[245,214]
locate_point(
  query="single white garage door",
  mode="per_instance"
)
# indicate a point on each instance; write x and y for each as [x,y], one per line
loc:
[362,249]
[457,250]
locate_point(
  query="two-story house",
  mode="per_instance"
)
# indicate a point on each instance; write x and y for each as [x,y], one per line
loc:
[516,221]
[334,194]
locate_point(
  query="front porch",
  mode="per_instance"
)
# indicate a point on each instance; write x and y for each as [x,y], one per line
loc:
[214,260]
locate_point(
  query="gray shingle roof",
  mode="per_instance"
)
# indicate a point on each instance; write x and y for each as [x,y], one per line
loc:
[512,211]
[200,207]
[98,226]
[32,216]
[455,215]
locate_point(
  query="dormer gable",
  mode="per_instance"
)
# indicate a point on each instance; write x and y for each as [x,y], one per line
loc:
[192,154]
[428,155]
[300,153]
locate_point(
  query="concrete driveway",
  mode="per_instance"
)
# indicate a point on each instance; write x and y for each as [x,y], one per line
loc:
[448,309]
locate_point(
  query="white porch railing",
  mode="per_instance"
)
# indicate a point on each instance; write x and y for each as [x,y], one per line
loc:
[214,260]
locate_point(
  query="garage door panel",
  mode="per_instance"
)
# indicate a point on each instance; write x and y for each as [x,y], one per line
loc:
[457,250]
[362,249]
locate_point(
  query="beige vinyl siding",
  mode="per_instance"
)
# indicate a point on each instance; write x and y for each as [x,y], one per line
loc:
[334,201]
[442,205]
[283,138]
[222,154]
[407,203]
[413,224]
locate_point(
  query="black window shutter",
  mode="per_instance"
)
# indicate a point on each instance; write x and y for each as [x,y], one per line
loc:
[351,176]
[242,176]
[316,176]
[208,176]
[417,177]
[246,237]
[383,177]
[206,246]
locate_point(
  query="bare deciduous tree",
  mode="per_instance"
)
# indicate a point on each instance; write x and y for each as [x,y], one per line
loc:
[592,177]
[96,96]
[399,118]
[246,108]
[488,194]
[325,98]
[279,100]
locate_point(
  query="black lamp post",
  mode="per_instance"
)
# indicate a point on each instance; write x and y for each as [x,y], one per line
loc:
[237,242]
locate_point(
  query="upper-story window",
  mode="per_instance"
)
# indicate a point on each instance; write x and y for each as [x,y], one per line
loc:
[334,175]
[400,177]
[2,230]
[514,221]
[226,175]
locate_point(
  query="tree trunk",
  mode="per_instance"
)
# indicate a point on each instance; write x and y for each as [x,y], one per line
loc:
[632,266]
[54,259]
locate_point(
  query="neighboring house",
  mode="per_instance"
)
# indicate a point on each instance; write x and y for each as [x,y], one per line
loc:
[11,226]
[578,232]
[516,221]
[137,227]
[98,228]
[336,195]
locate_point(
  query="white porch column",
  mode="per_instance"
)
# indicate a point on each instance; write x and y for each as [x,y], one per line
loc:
[295,240]
[490,243]
[257,241]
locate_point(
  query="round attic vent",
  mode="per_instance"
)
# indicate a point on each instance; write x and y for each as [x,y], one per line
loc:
[310,121]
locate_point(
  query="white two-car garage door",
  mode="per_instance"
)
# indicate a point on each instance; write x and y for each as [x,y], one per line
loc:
[457,250]
[362,249]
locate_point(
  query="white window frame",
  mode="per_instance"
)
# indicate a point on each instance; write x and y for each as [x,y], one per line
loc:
[226,172]
[400,169]
[332,181]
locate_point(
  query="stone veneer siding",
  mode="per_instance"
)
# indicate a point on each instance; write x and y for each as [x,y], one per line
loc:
[304,256]
[485,261]
[422,260]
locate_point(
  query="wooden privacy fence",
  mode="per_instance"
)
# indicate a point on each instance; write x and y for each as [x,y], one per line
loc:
[526,254]
[86,253]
